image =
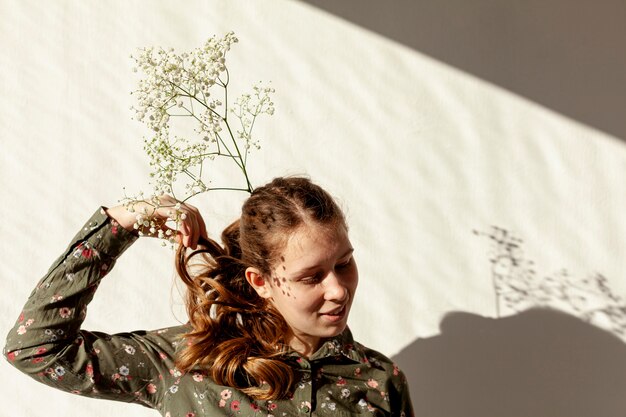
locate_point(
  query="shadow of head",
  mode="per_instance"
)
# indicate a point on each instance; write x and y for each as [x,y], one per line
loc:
[540,362]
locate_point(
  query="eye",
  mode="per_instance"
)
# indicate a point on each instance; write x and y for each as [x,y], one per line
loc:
[345,264]
[312,280]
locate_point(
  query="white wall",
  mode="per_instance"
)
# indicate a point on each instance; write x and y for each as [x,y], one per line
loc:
[418,153]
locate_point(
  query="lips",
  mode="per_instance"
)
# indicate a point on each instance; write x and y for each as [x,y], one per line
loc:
[335,315]
[336,311]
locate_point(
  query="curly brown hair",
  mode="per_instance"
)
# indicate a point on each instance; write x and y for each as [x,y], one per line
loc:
[238,336]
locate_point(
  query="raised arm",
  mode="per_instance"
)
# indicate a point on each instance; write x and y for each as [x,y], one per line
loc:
[47,341]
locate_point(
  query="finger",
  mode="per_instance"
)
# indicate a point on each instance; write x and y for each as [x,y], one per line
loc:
[195,224]
[185,233]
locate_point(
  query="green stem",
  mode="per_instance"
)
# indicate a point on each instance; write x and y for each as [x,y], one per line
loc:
[196,99]
[243,164]
[215,189]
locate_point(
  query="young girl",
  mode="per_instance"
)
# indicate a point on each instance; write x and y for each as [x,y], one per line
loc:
[267,333]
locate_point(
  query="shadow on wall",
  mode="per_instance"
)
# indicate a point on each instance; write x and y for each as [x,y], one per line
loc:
[563,54]
[540,362]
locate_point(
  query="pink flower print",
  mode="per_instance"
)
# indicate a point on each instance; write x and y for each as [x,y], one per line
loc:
[21,318]
[55,298]
[272,406]
[151,388]
[234,405]
[11,356]
[65,312]
[222,403]
[197,376]
[21,330]
[37,360]
[372,383]
[190,415]
[357,371]
[341,382]
[85,251]
[396,370]
[168,414]
[162,355]
[89,370]
[226,394]
[255,407]
[41,350]
[29,322]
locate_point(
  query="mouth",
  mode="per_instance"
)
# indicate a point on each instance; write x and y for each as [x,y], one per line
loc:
[336,314]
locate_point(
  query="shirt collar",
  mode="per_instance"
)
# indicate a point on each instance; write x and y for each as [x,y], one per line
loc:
[342,344]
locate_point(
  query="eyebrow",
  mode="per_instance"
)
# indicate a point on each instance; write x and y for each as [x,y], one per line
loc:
[313,267]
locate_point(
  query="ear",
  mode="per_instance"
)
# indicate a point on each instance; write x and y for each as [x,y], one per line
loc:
[260,284]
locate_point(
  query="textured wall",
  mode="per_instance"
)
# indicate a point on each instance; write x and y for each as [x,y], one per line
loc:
[419,153]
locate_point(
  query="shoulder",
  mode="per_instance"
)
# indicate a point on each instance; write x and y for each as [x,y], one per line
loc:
[376,364]
[378,360]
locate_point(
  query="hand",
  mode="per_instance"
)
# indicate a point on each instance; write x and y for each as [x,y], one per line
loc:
[191,226]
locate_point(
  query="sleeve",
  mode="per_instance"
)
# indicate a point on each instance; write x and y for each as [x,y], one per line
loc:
[400,398]
[48,344]
[401,404]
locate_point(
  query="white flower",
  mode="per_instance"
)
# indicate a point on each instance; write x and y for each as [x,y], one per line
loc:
[188,84]
[124,370]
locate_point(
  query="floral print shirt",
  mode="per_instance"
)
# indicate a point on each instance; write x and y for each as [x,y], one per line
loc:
[343,378]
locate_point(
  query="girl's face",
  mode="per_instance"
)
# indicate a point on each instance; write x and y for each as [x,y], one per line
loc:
[313,285]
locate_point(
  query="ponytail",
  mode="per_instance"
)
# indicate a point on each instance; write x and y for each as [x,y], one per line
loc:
[236,336]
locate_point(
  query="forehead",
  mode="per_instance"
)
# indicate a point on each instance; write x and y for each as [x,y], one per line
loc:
[311,244]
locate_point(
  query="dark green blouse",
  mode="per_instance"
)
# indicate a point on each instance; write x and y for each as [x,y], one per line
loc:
[343,378]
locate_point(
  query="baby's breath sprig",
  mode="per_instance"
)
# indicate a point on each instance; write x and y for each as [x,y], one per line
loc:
[192,87]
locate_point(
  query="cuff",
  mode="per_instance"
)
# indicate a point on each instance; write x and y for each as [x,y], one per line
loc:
[106,235]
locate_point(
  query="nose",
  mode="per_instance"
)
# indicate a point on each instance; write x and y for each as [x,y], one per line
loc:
[335,289]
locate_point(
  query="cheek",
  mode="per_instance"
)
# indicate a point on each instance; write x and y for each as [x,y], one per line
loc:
[353,279]
[304,299]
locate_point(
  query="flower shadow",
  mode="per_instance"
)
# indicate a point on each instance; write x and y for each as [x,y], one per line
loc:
[540,362]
